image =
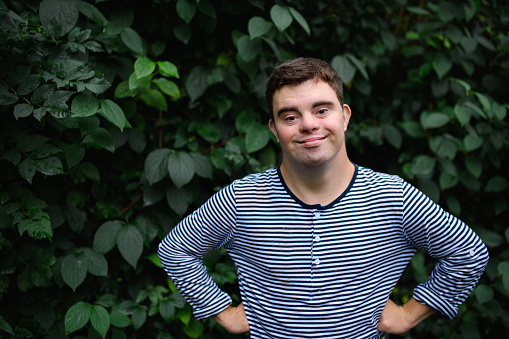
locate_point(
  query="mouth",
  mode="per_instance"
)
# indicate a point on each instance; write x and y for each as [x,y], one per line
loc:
[309,142]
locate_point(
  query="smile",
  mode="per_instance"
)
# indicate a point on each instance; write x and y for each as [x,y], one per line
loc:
[311,141]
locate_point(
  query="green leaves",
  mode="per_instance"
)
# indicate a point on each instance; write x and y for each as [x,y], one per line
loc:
[80,313]
[128,239]
[113,113]
[258,26]
[59,17]
[130,244]
[442,65]
[180,168]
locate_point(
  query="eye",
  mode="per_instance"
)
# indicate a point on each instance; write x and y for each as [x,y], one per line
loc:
[322,111]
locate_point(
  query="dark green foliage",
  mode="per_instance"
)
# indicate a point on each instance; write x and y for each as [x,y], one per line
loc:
[119,118]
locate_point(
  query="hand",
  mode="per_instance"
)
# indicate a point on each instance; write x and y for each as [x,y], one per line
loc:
[233,319]
[400,319]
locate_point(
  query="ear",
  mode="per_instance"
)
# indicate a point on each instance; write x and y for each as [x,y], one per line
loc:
[272,128]
[347,113]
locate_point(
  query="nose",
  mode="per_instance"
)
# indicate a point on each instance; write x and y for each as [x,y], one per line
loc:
[308,123]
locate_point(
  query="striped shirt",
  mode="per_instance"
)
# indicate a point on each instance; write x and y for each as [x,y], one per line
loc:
[312,271]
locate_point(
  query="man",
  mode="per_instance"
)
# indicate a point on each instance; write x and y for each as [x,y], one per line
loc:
[319,242]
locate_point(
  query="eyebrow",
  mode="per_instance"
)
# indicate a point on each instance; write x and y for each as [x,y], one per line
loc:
[294,109]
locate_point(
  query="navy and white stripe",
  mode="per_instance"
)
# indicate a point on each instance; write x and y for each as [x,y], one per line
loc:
[312,271]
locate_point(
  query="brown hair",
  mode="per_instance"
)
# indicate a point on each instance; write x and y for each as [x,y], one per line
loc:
[295,72]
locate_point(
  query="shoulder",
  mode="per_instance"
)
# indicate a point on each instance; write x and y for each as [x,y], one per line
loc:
[257,180]
[369,177]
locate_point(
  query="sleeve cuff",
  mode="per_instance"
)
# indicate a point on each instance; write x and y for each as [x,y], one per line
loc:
[222,301]
[426,296]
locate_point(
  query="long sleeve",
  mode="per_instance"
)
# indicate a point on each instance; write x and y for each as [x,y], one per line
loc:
[460,253]
[181,252]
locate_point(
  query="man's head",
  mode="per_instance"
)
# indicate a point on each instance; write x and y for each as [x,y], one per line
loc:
[295,72]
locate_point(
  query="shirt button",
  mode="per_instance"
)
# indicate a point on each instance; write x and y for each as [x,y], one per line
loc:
[317,238]
[472,253]
[317,214]
[317,261]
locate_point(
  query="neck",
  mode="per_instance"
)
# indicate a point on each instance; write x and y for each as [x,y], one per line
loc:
[318,184]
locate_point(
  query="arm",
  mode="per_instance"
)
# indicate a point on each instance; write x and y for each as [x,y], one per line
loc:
[460,253]
[233,319]
[181,252]
[400,319]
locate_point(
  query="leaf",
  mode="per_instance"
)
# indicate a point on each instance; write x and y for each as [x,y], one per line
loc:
[474,165]
[485,102]
[418,10]
[423,165]
[435,120]
[281,17]
[209,132]
[462,113]
[66,12]
[194,329]
[49,166]
[154,98]
[113,113]
[144,67]
[156,165]
[257,137]
[168,87]
[359,65]
[27,169]
[74,269]
[464,84]
[77,316]
[120,320]
[74,218]
[97,85]
[97,264]
[154,259]
[29,84]
[136,140]
[186,10]
[105,237]
[483,293]
[248,49]
[73,154]
[139,317]
[132,40]
[84,106]
[442,65]
[202,165]
[167,309]
[183,33]
[300,20]
[23,110]
[196,82]
[167,68]
[472,142]
[344,68]
[37,224]
[177,199]
[393,136]
[130,244]
[258,26]
[100,319]
[91,12]
[446,11]
[496,184]
[5,326]
[44,151]
[180,168]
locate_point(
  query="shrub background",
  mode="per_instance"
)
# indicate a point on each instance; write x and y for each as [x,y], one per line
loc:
[118,119]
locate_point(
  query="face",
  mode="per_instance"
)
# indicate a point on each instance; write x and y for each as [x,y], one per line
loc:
[310,123]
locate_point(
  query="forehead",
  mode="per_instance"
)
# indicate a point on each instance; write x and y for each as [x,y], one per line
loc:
[304,94]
